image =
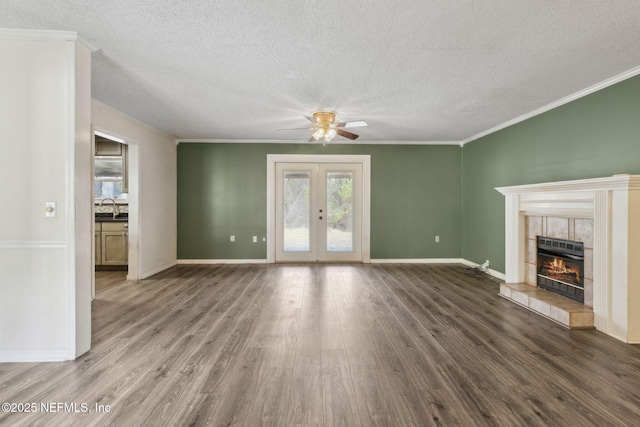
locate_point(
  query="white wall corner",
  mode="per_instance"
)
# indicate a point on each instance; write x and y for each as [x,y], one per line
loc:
[153,187]
[156,270]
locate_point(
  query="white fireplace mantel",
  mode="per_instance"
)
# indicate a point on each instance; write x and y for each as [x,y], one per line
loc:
[614,205]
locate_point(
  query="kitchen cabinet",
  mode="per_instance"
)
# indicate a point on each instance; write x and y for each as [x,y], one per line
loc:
[114,238]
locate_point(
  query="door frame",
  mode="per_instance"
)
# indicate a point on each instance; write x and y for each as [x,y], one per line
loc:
[365,160]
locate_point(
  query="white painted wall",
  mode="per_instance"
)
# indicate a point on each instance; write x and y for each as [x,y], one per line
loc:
[40,286]
[153,189]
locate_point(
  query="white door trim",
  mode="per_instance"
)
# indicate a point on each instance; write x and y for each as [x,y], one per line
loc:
[365,160]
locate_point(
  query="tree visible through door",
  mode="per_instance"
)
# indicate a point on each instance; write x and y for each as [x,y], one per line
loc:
[318,208]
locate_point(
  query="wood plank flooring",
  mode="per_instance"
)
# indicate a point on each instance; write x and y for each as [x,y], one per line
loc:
[328,345]
[109,279]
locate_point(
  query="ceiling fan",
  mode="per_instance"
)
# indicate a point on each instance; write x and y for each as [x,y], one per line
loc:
[325,126]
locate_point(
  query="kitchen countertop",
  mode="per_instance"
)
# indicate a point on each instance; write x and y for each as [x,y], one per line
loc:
[109,218]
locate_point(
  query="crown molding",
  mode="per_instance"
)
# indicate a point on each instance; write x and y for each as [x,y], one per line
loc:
[567,99]
[46,35]
[306,142]
[37,35]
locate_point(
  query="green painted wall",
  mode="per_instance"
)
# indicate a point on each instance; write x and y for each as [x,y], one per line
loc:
[417,191]
[415,195]
[595,136]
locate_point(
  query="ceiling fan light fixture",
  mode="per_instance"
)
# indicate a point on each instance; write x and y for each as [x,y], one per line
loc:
[324,117]
[325,126]
[330,134]
[319,133]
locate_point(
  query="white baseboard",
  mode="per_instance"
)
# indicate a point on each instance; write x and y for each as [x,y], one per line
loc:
[418,261]
[156,270]
[33,356]
[490,271]
[222,261]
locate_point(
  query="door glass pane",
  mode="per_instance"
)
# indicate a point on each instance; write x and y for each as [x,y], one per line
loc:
[339,211]
[297,210]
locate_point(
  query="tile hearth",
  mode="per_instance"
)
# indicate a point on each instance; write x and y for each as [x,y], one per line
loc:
[555,307]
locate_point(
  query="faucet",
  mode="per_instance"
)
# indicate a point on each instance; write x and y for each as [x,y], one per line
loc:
[115,206]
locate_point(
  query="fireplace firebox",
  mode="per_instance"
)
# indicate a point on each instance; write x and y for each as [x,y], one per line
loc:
[561,267]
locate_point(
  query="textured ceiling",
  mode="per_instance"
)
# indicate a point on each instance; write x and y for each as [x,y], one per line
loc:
[415,70]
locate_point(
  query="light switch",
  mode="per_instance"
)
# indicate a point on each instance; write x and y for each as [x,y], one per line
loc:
[232,238]
[437,239]
[50,210]
[255,239]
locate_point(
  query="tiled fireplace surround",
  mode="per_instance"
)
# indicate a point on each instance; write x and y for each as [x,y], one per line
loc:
[604,213]
[576,229]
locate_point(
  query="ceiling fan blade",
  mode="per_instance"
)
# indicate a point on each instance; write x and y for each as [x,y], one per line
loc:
[296,129]
[311,119]
[346,134]
[353,124]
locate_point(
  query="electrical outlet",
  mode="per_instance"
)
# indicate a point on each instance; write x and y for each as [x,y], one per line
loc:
[437,239]
[232,238]
[264,239]
[255,239]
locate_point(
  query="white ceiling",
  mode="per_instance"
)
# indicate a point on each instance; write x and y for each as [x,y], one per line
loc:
[415,70]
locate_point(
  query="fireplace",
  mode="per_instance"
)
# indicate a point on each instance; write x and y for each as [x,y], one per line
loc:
[560,266]
[611,255]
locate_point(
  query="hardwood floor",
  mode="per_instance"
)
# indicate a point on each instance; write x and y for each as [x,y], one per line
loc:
[109,279]
[328,345]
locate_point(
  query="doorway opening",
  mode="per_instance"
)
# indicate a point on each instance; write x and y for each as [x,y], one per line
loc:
[318,208]
[115,210]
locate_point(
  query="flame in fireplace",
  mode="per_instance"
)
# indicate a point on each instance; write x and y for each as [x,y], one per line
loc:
[558,267]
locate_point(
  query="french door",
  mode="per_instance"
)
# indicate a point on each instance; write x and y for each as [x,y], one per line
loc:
[318,212]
